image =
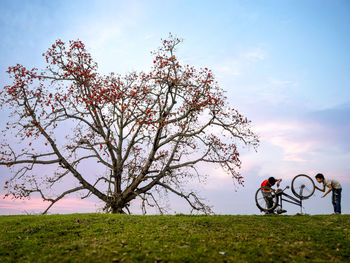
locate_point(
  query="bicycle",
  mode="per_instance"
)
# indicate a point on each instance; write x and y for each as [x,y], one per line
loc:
[267,199]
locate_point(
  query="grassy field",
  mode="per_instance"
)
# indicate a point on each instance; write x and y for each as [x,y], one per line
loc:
[181,238]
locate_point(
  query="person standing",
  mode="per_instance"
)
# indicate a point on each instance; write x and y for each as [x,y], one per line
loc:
[334,187]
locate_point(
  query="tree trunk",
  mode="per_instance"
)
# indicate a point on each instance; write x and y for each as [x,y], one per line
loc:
[117,208]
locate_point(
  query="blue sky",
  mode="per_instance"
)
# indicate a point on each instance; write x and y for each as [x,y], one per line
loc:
[284,64]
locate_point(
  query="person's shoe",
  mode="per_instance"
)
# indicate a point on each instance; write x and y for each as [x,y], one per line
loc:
[281,211]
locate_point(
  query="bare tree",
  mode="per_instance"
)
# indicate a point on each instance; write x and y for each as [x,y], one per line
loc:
[147,132]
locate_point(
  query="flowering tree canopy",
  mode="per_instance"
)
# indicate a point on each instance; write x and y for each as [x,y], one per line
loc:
[147,132]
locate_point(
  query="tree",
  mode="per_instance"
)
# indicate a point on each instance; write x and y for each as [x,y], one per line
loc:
[147,132]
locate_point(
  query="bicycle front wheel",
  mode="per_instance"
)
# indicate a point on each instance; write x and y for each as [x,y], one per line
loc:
[303,186]
[266,202]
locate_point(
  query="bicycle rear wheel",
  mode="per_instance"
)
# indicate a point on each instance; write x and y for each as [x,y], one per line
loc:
[303,186]
[266,202]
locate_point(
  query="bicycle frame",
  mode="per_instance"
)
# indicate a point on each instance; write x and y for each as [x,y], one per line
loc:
[291,199]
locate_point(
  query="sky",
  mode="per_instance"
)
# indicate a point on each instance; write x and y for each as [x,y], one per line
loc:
[284,64]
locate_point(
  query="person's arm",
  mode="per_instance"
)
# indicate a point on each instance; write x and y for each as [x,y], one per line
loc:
[330,189]
[278,182]
[319,189]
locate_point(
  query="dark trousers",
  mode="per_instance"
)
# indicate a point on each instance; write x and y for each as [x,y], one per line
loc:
[336,200]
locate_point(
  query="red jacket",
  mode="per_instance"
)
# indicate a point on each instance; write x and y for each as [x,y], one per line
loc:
[266,184]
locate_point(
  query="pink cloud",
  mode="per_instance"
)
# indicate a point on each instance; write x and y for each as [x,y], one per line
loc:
[36,204]
[293,138]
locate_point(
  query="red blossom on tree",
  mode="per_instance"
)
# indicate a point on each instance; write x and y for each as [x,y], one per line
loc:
[147,131]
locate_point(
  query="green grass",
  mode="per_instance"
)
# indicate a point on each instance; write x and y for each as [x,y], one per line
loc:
[181,238]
